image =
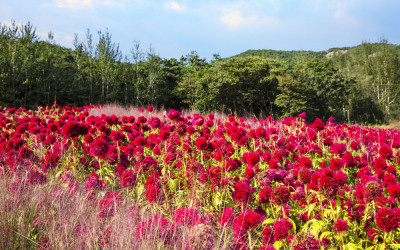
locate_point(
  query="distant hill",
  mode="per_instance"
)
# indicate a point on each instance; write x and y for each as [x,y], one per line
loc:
[282,55]
[298,55]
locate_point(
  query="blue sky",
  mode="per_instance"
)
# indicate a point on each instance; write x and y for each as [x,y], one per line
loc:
[175,28]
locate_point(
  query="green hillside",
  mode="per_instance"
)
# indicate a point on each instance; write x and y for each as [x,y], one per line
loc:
[294,56]
[282,55]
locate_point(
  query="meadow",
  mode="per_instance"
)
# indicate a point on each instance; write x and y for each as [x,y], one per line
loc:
[108,177]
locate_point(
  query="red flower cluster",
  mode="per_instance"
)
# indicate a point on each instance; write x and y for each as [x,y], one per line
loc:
[280,195]
[388,219]
[281,229]
[341,226]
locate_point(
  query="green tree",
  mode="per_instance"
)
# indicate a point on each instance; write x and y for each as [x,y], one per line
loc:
[318,88]
[107,54]
[242,85]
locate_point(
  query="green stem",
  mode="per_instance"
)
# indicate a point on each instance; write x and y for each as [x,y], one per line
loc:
[249,235]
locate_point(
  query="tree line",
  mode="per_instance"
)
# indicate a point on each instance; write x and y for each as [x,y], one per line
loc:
[362,85]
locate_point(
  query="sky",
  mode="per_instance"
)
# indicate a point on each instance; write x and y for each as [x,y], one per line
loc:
[175,28]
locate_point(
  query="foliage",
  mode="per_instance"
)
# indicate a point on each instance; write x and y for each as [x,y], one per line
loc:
[237,85]
[353,84]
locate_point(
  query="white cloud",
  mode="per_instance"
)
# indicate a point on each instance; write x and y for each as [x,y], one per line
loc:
[234,20]
[114,3]
[73,4]
[341,12]
[174,6]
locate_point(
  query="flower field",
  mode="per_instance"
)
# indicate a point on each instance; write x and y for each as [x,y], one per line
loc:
[94,177]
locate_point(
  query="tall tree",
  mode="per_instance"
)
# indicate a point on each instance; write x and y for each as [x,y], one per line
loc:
[107,53]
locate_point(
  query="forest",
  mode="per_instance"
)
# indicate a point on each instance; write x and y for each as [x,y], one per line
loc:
[358,84]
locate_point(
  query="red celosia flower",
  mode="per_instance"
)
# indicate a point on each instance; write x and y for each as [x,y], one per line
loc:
[265,194]
[338,148]
[117,136]
[25,152]
[340,177]
[174,115]
[140,141]
[243,192]
[394,191]
[379,163]
[328,186]
[154,122]
[227,216]
[147,164]
[93,182]
[150,108]
[389,179]
[281,229]
[340,226]
[372,191]
[304,176]
[388,219]
[348,159]
[261,132]
[246,221]
[268,236]
[372,233]
[141,119]
[71,129]
[128,178]
[201,143]
[336,164]
[232,164]
[250,172]
[88,138]
[318,124]
[252,158]
[153,193]
[355,145]
[326,242]
[186,216]
[280,195]
[386,152]
[99,147]
[305,162]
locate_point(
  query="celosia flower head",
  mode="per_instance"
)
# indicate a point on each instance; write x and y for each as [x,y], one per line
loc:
[388,219]
[280,195]
[341,226]
[243,192]
[281,229]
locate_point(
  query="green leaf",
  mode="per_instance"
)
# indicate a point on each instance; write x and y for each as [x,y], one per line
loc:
[325,234]
[310,209]
[294,224]
[217,199]
[268,221]
[352,246]
[278,244]
[337,205]
[108,179]
[140,189]
[163,170]
[327,212]
[173,184]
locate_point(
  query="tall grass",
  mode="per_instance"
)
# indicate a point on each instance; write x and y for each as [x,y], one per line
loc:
[62,215]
